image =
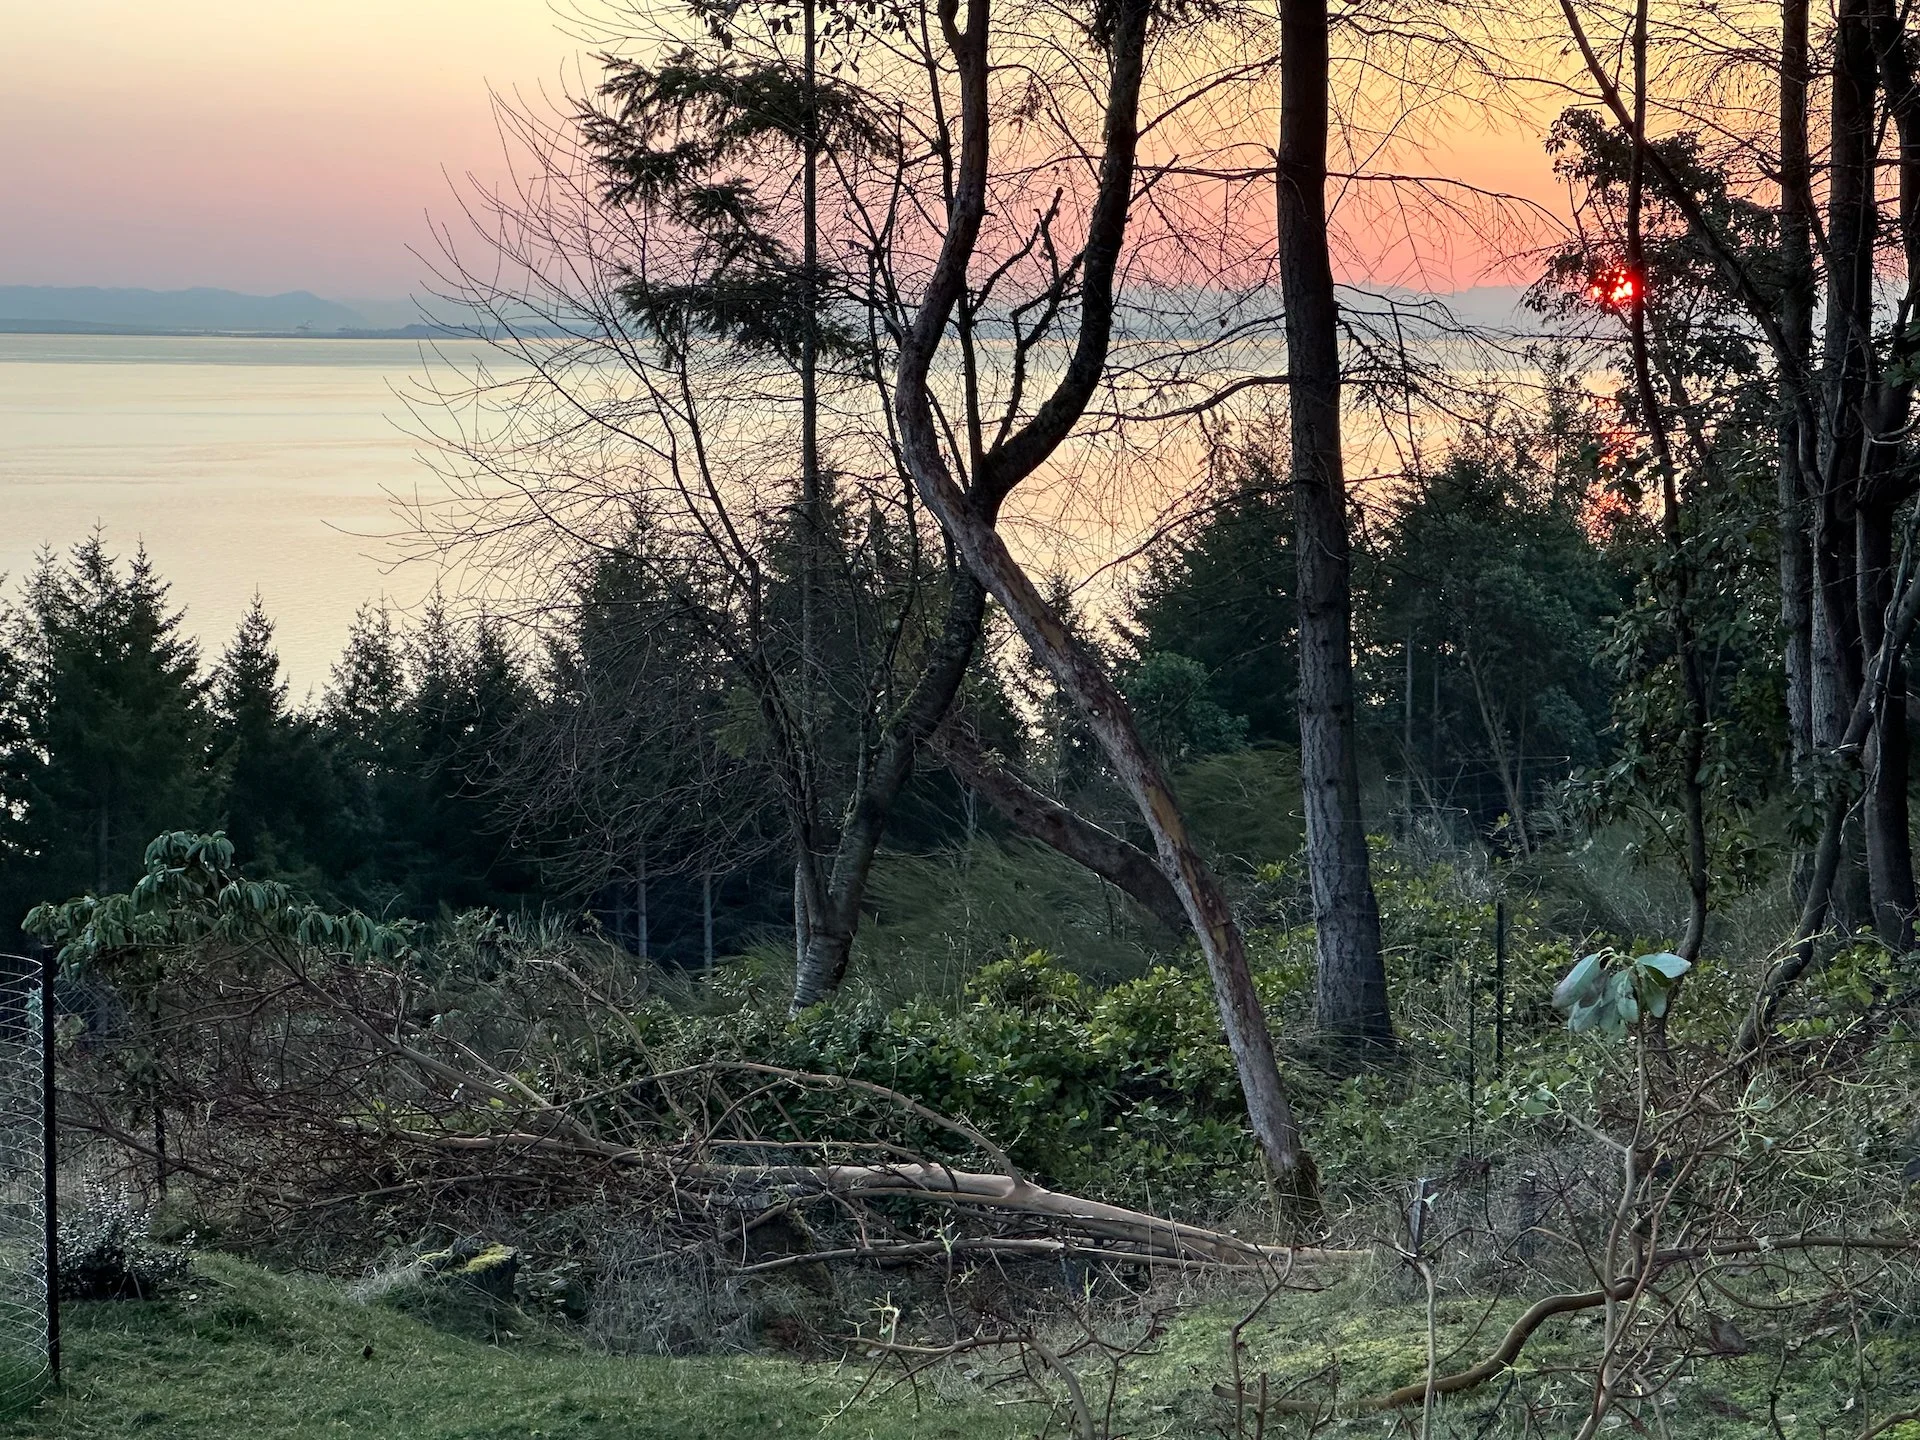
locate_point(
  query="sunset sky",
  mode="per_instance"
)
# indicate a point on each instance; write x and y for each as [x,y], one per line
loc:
[265,145]
[258,145]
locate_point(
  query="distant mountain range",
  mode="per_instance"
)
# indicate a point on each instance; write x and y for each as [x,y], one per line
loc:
[69,310]
[87,309]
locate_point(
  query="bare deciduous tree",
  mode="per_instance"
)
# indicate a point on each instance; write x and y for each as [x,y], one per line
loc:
[969,513]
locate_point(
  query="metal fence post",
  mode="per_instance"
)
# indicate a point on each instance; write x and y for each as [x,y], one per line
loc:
[1499,987]
[50,1157]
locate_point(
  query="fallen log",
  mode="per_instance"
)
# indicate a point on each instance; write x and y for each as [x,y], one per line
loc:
[1150,1235]
[1144,1236]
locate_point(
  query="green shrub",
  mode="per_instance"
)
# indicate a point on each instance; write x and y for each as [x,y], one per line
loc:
[1128,1091]
[106,1252]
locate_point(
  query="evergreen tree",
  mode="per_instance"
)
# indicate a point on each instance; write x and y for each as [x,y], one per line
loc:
[1492,577]
[637,769]
[1221,595]
[1061,753]
[109,734]
[366,691]
[360,724]
[17,759]
[281,799]
[1177,717]
[417,724]
[468,695]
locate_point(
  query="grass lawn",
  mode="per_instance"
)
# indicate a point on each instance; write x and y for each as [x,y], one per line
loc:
[241,1352]
[244,1352]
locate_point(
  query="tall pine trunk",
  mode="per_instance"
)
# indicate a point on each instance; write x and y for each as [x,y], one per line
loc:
[1351,987]
[1796,329]
[1845,367]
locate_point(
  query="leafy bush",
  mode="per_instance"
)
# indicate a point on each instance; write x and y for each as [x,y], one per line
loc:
[1609,993]
[1127,1092]
[106,1252]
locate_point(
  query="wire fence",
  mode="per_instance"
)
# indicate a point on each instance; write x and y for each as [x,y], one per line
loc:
[26,1321]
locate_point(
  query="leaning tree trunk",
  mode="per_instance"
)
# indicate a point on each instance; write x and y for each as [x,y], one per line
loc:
[831,900]
[968,518]
[1081,677]
[1351,988]
[1039,816]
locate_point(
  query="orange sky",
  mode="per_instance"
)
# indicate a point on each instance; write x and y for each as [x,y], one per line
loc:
[267,145]
[259,145]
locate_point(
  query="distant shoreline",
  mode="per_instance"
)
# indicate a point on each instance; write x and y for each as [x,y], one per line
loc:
[91,327]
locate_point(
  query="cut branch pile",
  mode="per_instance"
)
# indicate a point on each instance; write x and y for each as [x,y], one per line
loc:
[294,1093]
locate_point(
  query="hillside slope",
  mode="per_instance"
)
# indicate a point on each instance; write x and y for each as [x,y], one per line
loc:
[245,1354]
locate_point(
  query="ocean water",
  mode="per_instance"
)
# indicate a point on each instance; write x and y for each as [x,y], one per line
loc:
[240,464]
[284,466]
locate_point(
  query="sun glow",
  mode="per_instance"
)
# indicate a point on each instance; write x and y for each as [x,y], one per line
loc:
[1614,288]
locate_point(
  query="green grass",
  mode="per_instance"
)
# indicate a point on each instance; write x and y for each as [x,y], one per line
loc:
[242,1352]
[1373,1343]
[22,1379]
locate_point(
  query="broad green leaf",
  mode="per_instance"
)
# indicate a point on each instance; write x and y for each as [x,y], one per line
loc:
[1573,989]
[1665,964]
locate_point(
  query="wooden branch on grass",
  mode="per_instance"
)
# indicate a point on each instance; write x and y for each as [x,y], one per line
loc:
[1150,1237]
[1152,1234]
[1542,1310]
[1504,1354]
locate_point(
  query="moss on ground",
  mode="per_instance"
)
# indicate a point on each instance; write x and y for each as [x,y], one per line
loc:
[242,1352]
[1360,1337]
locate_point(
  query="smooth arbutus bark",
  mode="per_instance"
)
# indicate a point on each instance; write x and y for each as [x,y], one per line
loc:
[969,516]
[1039,816]
[1351,984]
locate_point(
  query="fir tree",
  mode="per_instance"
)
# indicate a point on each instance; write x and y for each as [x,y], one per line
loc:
[366,691]
[418,723]
[361,724]
[1222,595]
[109,736]
[281,799]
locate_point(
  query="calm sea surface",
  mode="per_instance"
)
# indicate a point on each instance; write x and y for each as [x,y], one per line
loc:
[240,464]
[270,465]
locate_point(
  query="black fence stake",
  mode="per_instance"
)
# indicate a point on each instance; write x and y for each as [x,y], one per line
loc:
[1499,987]
[1473,1051]
[50,1158]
